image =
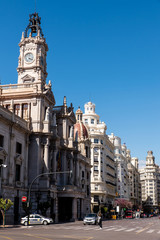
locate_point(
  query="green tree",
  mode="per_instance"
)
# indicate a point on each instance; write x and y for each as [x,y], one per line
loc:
[5,204]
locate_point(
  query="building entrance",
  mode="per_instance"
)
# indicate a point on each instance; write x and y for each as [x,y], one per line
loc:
[64,209]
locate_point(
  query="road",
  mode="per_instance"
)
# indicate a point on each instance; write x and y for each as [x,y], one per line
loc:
[126,229]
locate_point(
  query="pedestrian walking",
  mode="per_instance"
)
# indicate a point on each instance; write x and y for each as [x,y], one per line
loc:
[100,220]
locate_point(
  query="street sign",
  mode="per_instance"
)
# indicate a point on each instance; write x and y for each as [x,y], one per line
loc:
[24,199]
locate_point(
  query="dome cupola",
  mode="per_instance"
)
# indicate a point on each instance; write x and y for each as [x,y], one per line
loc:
[80,130]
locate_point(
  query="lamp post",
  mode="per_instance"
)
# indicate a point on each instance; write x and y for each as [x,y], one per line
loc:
[41,175]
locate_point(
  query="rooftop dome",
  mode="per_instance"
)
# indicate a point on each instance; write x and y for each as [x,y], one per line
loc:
[80,131]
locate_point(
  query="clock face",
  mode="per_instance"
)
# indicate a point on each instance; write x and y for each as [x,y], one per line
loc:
[29,57]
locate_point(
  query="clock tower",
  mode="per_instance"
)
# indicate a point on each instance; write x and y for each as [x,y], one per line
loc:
[33,50]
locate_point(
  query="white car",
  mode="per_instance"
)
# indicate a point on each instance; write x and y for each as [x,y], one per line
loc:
[90,218]
[36,219]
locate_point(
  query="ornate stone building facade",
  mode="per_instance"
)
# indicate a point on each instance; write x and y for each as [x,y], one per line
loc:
[149,177]
[103,181]
[14,140]
[127,175]
[37,137]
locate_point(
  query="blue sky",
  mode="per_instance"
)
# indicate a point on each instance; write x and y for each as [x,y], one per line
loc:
[104,51]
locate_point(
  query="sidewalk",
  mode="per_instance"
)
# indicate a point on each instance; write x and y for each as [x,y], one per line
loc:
[10,226]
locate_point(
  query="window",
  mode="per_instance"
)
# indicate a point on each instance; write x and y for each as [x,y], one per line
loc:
[96,187]
[17,109]
[88,190]
[18,148]
[86,121]
[102,142]
[96,198]
[92,121]
[1,140]
[96,140]
[95,158]
[87,151]
[18,170]
[25,110]
[96,149]
[95,168]
[82,174]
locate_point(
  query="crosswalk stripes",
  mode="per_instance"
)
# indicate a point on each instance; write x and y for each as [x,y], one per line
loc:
[114,228]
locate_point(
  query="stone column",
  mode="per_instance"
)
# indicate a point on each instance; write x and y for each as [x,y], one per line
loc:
[29,111]
[82,208]
[71,168]
[77,172]
[74,209]
[46,155]
[54,164]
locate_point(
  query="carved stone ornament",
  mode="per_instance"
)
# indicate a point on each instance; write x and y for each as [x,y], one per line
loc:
[18,159]
[28,79]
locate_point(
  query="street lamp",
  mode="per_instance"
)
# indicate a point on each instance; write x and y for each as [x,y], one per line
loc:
[3,165]
[41,175]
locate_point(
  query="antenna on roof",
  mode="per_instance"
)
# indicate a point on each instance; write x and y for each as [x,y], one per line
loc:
[35,6]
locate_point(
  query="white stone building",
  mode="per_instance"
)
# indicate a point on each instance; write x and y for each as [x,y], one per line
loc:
[149,180]
[38,138]
[134,181]
[122,178]
[102,159]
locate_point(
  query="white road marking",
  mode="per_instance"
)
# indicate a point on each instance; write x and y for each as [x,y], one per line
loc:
[118,230]
[150,231]
[130,230]
[110,229]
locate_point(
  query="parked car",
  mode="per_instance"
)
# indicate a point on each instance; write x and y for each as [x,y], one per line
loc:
[129,214]
[36,219]
[90,218]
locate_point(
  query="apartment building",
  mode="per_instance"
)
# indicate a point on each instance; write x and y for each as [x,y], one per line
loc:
[103,181]
[149,181]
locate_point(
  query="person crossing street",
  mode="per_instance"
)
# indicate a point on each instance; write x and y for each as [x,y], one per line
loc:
[100,220]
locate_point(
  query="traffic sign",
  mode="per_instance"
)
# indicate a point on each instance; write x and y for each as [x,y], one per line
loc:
[24,199]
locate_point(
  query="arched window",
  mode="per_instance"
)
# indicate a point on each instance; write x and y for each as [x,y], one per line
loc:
[24,110]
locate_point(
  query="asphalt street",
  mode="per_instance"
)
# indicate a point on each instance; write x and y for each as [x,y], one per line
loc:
[126,229]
